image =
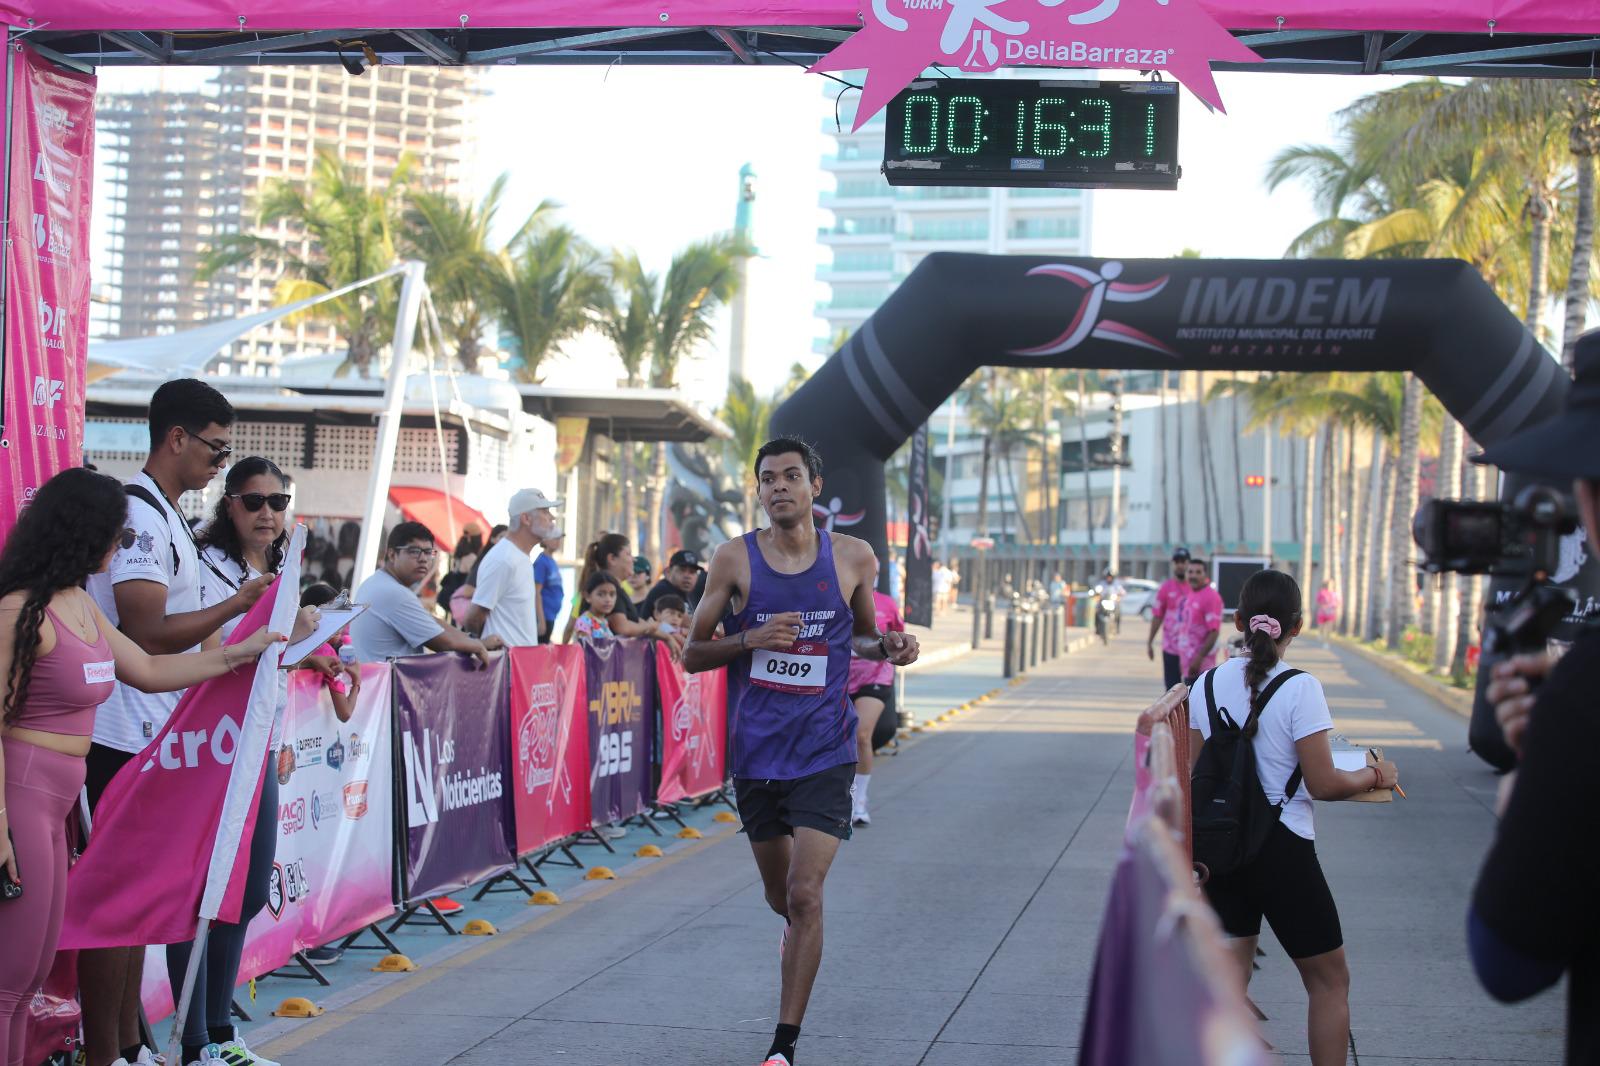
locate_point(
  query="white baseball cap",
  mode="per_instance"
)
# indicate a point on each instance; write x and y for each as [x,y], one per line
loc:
[526,501]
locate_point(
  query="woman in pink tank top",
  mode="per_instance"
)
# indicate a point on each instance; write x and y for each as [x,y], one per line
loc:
[58,658]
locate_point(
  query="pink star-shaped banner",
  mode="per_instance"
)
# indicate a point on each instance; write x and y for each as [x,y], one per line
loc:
[899,39]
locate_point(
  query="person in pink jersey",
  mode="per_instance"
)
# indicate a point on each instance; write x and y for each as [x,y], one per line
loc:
[1199,623]
[1164,613]
[871,687]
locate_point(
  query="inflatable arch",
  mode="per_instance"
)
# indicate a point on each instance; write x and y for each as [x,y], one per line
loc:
[958,312]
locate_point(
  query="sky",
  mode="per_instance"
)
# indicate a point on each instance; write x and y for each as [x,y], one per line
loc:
[648,159]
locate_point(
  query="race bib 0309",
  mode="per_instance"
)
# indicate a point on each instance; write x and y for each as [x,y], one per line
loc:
[803,668]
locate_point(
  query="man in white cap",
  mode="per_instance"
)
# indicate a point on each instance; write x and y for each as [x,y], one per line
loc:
[504,601]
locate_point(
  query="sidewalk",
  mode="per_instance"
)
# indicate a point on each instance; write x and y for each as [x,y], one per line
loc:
[962,925]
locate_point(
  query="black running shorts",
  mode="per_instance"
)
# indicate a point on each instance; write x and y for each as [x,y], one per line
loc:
[1285,885]
[1171,668]
[884,694]
[773,808]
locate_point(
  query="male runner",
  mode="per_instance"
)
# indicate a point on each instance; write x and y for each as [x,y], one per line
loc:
[802,600]
[1164,615]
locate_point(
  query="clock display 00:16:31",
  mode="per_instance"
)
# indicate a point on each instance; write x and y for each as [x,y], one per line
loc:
[1046,126]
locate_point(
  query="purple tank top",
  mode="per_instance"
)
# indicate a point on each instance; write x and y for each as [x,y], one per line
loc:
[792,716]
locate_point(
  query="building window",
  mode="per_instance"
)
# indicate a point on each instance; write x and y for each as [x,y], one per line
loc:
[848,260]
[861,187]
[864,225]
[949,229]
[1045,227]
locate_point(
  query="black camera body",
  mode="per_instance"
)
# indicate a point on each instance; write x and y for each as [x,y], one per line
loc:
[1520,539]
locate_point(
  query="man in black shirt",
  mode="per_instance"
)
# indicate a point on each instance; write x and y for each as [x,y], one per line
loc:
[683,573]
[1533,915]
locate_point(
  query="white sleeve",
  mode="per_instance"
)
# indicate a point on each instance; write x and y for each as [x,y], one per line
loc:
[492,577]
[1311,714]
[144,547]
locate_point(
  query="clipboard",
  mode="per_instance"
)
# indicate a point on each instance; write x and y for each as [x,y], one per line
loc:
[333,619]
[1382,795]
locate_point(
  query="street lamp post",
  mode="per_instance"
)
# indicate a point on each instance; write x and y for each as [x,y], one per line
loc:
[1116,475]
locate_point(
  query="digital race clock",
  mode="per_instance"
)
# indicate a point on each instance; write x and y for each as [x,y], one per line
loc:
[998,131]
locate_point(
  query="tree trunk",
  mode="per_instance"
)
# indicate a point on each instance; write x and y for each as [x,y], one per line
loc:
[1582,251]
[1476,483]
[1330,507]
[625,513]
[1238,461]
[1203,453]
[1350,535]
[1402,606]
[1294,491]
[1361,565]
[1308,518]
[1020,505]
[1166,492]
[1539,210]
[1379,591]
[1083,459]
[1446,630]
[652,503]
[1183,482]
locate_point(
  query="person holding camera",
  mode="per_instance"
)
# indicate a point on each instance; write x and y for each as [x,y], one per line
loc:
[1533,916]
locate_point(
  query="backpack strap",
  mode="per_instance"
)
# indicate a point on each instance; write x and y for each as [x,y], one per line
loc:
[1212,713]
[1267,693]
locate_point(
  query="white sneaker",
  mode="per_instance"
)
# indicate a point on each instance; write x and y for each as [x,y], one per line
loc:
[860,819]
[612,832]
[236,1053]
[149,1058]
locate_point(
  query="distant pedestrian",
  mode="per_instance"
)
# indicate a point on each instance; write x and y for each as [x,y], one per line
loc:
[505,602]
[547,583]
[1199,623]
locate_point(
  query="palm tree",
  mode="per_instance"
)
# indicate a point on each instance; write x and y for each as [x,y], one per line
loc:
[1447,622]
[545,290]
[748,416]
[700,279]
[453,237]
[625,317]
[1402,607]
[352,232]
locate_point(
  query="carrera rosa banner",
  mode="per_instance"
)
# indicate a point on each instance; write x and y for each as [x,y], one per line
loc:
[453,725]
[621,697]
[550,738]
[899,39]
[47,277]
[1456,16]
[694,729]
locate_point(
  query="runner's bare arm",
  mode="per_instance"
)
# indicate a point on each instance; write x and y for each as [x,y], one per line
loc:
[725,583]
[854,556]
[142,607]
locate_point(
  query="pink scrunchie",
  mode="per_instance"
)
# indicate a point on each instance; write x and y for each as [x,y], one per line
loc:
[1265,623]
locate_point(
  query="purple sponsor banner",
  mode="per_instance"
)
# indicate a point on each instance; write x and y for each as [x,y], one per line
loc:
[452,728]
[622,699]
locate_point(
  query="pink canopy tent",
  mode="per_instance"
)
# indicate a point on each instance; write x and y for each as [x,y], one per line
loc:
[1434,16]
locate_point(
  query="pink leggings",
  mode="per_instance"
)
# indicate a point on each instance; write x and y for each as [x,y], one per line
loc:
[41,787]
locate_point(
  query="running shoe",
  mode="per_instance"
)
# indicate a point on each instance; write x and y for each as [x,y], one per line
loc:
[861,819]
[777,1060]
[235,1053]
[149,1058]
[326,955]
[447,905]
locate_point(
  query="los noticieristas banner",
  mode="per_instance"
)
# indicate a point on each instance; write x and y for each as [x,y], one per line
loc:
[621,696]
[453,724]
[694,729]
[550,739]
[47,277]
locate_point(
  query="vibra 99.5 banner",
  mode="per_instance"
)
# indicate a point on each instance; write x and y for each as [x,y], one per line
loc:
[621,726]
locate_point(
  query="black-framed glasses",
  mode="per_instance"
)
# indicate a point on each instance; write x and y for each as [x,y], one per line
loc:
[416,551]
[254,501]
[219,452]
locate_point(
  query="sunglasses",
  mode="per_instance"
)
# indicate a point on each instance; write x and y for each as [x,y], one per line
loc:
[253,501]
[219,452]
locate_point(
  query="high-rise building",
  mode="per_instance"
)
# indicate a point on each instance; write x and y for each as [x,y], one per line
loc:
[252,126]
[880,232]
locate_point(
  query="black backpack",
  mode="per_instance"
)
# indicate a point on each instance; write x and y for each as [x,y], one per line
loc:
[1232,817]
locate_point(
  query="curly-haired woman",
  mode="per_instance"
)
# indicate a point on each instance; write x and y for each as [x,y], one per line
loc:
[58,658]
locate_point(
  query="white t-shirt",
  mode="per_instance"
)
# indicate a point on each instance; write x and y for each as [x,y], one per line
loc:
[394,625]
[217,585]
[1297,710]
[155,546]
[505,589]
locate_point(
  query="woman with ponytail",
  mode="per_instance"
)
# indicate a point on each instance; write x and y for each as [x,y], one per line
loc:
[611,555]
[1283,882]
[59,656]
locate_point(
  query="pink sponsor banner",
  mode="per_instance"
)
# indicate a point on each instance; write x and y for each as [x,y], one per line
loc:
[550,744]
[334,869]
[694,729]
[1448,16]
[47,277]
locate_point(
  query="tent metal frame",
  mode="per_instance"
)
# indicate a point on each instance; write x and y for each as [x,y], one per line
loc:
[1282,51]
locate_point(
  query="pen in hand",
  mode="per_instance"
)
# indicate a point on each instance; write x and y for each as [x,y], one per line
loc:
[1396,785]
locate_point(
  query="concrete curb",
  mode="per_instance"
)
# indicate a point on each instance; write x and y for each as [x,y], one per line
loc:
[1452,699]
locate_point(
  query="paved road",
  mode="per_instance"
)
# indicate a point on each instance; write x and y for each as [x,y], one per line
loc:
[962,925]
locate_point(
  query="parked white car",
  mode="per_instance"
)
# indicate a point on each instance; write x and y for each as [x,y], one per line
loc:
[1141,597]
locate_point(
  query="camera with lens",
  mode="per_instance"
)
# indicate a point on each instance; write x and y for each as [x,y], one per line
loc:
[1520,539]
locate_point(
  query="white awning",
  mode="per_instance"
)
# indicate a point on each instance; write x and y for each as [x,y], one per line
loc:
[189,351]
